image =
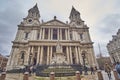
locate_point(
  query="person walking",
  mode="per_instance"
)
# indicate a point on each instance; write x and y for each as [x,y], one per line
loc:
[117,67]
[92,70]
[107,69]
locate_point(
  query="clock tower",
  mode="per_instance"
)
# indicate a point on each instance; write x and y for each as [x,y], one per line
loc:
[32,17]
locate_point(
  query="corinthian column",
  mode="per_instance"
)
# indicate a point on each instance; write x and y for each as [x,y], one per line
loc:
[27,62]
[38,54]
[43,33]
[66,34]
[48,55]
[41,55]
[71,55]
[51,54]
[68,60]
[60,34]
[51,33]
[32,55]
[76,52]
[40,33]
[80,56]
[48,33]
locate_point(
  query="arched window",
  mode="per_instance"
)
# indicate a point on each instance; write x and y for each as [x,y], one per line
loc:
[22,55]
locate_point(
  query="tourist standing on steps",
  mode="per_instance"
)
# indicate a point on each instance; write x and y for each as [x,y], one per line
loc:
[107,69]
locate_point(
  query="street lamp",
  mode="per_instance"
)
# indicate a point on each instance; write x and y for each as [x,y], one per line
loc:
[84,66]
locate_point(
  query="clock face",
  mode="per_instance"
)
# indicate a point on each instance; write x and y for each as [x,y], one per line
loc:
[29,20]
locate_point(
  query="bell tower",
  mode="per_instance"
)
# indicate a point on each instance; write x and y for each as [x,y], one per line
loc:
[33,13]
[32,17]
[75,18]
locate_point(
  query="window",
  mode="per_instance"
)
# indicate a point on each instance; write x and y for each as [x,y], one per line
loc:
[54,34]
[63,34]
[45,48]
[38,34]
[22,55]
[81,36]
[26,35]
[70,36]
[53,50]
[46,33]
[64,50]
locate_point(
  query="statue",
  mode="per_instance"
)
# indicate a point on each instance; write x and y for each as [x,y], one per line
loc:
[58,48]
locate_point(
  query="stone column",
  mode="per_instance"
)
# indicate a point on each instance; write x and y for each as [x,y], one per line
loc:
[40,34]
[43,33]
[48,33]
[28,56]
[66,34]
[32,55]
[76,52]
[51,33]
[10,58]
[51,54]
[41,55]
[71,55]
[61,34]
[78,75]
[80,56]
[38,54]
[35,34]
[48,55]
[58,33]
[21,37]
[68,60]
[93,60]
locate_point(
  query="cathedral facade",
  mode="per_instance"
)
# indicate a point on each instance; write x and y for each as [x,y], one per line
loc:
[35,41]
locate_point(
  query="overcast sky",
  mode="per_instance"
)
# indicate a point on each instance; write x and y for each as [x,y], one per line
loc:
[101,16]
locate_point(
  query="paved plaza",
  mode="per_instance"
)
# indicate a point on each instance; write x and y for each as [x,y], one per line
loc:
[84,77]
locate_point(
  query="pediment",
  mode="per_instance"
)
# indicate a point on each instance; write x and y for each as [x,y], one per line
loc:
[55,22]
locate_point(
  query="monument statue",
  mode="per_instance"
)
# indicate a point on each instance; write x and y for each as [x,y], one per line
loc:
[59,57]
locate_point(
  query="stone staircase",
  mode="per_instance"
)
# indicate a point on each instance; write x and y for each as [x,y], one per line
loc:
[60,70]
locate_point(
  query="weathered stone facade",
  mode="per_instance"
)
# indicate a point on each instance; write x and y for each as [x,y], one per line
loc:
[3,62]
[114,48]
[36,41]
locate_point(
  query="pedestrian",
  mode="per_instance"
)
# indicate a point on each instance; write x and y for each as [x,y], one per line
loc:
[117,67]
[86,70]
[95,68]
[92,70]
[107,69]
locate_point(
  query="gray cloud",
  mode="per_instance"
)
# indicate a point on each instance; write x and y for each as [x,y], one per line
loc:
[10,16]
[103,17]
[107,27]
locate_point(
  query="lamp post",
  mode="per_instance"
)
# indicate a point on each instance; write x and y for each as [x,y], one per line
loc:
[84,66]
